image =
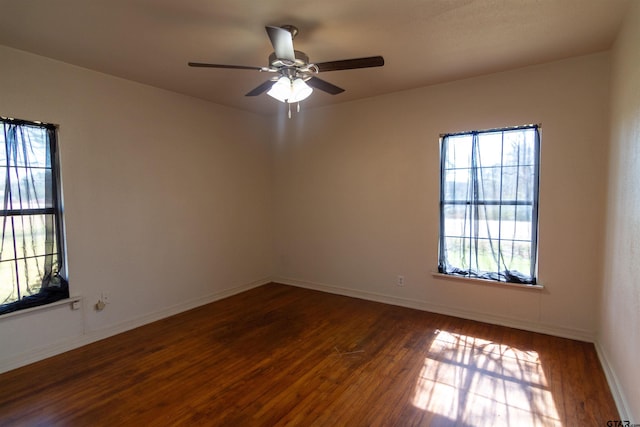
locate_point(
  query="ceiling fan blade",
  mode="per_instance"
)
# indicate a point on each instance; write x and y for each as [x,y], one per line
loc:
[282,42]
[260,89]
[239,67]
[324,86]
[350,64]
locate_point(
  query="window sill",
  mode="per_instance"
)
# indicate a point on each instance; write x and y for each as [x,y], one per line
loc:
[476,281]
[64,301]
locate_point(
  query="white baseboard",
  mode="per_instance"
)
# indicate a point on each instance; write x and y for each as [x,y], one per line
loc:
[571,333]
[96,335]
[614,384]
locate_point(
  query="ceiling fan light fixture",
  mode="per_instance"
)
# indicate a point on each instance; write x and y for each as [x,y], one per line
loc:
[291,91]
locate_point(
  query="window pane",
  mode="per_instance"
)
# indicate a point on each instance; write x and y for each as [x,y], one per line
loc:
[8,283]
[3,183]
[519,147]
[457,221]
[29,188]
[488,221]
[30,277]
[457,185]
[485,256]
[526,181]
[3,154]
[489,184]
[515,223]
[31,235]
[489,149]
[31,272]
[30,148]
[458,151]
[457,252]
[518,183]
[36,152]
[516,256]
[7,251]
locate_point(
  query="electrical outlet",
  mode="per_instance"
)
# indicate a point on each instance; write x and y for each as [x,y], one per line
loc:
[400,281]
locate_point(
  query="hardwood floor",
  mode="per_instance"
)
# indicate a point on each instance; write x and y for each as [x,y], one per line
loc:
[279,355]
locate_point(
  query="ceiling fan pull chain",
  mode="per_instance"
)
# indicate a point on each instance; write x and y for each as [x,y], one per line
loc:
[289,109]
[298,107]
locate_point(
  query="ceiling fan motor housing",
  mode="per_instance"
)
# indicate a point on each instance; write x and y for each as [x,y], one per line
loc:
[301,60]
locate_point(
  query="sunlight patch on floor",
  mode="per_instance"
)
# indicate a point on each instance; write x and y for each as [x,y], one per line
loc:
[481,383]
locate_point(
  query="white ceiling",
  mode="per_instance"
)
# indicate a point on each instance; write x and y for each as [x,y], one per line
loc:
[423,41]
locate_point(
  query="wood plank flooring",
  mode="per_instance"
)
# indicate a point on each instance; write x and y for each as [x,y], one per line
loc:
[279,355]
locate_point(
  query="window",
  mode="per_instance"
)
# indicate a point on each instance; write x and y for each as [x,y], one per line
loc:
[489,204]
[31,256]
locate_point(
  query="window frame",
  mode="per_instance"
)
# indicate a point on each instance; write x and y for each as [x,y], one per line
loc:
[498,276]
[60,290]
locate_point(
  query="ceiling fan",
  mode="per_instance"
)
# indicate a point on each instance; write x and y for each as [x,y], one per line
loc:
[294,76]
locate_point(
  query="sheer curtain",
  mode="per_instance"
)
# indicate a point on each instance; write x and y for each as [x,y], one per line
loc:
[489,204]
[30,250]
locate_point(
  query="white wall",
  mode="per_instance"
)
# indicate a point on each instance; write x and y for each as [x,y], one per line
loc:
[357,191]
[619,337]
[167,201]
